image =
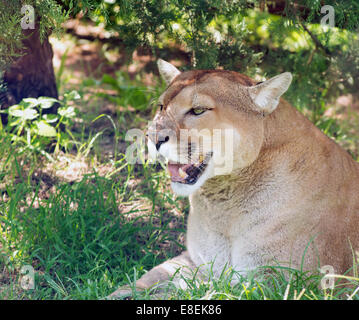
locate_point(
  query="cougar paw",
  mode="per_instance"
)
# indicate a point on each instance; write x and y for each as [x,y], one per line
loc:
[122,293]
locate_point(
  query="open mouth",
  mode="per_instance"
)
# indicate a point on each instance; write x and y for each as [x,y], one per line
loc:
[189,173]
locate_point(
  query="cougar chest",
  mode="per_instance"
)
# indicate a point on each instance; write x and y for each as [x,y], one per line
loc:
[228,221]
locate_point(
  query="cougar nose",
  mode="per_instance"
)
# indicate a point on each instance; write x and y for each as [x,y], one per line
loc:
[160,141]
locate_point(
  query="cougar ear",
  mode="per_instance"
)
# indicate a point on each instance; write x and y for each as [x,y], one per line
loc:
[266,94]
[167,71]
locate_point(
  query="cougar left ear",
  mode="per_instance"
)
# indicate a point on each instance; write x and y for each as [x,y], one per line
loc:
[266,94]
[167,71]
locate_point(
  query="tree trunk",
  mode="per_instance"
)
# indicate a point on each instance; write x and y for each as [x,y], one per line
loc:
[31,75]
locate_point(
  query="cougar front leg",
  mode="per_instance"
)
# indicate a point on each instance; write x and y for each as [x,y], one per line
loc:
[158,276]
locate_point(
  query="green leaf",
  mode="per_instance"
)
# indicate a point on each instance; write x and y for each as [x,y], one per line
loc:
[106,78]
[30,114]
[47,102]
[68,112]
[50,118]
[45,130]
[31,102]
[15,111]
[73,95]
[27,114]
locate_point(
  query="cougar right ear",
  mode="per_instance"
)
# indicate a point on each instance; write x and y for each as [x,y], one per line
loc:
[167,71]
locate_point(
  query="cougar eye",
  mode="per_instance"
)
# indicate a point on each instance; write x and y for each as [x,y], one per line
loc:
[160,106]
[198,110]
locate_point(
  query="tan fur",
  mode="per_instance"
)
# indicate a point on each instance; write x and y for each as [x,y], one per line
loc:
[292,189]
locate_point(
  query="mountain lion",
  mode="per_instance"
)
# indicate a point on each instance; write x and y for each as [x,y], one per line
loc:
[290,195]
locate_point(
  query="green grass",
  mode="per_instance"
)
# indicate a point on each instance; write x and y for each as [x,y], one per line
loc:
[79,240]
[87,236]
[82,247]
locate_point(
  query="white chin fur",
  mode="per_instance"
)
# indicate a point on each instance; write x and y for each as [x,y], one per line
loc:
[187,189]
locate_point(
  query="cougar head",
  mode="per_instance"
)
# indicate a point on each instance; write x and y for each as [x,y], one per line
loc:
[210,122]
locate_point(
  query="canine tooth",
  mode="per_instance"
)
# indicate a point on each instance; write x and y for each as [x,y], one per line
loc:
[182,174]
